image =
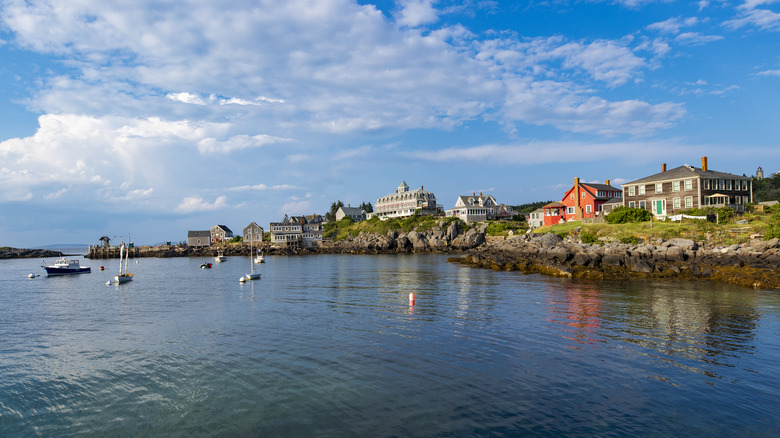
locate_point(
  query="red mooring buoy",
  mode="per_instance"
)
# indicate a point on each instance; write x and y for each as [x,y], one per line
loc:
[411,299]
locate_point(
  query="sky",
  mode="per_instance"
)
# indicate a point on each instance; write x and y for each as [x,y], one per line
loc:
[151,118]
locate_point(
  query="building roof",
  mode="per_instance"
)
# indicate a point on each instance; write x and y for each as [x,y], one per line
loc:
[614,201]
[253,223]
[604,187]
[554,204]
[352,211]
[199,233]
[686,171]
[224,227]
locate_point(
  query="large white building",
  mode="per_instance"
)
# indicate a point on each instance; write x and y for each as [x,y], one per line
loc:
[405,202]
[474,208]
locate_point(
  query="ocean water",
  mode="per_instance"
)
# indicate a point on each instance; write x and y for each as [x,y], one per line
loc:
[330,346]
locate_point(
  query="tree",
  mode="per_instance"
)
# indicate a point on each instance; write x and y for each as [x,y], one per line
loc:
[367,207]
[334,207]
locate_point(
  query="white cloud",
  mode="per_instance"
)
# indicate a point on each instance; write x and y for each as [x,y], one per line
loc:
[695,38]
[768,73]
[673,25]
[238,142]
[297,208]
[186,98]
[415,13]
[751,15]
[333,66]
[196,204]
[534,153]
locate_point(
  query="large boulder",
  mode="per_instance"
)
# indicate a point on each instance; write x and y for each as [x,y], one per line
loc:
[549,240]
[453,231]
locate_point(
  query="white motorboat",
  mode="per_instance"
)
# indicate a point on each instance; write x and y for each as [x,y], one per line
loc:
[65,267]
[220,257]
[260,258]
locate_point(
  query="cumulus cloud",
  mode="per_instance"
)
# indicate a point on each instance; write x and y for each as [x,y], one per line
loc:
[186,98]
[414,13]
[768,73]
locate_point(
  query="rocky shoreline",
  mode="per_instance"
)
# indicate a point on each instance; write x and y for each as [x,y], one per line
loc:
[21,253]
[755,264]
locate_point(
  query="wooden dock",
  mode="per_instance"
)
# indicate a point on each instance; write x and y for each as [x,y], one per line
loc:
[112,252]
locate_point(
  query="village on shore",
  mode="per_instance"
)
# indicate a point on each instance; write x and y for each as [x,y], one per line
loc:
[666,195]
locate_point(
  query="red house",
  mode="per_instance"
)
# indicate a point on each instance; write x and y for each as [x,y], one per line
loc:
[583,200]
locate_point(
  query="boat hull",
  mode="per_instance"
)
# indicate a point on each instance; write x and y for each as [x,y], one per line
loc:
[66,271]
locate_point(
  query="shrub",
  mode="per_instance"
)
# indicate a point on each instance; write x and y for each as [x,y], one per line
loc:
[774,225]
[587,237]
[631,240]
[624,215]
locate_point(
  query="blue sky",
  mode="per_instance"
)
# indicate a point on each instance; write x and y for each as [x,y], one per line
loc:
[152,118]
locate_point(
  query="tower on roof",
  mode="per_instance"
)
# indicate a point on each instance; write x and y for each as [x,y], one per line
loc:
[403,187]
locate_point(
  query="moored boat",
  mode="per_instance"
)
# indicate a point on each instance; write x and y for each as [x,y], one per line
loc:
[66,267]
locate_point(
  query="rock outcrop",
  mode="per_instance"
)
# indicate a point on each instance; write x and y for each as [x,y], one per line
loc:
[756,263]
[17,253]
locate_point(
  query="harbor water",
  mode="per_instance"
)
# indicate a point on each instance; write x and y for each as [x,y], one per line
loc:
[330,346]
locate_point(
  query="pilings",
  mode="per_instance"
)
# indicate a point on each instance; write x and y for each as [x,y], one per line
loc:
[111,252]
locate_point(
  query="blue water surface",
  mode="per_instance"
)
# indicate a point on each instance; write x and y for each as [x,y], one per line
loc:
[330,346]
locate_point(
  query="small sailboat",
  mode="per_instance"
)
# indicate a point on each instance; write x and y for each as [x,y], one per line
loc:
[252,275]
[123,276]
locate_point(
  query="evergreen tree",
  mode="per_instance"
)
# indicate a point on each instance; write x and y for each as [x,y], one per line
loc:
[367,207]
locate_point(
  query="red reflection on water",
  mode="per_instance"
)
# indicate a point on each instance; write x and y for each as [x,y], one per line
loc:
[578,311]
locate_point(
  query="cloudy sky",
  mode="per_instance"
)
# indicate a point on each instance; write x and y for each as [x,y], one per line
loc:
[155,117]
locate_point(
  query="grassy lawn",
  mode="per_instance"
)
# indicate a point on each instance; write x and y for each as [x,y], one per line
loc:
[723,234]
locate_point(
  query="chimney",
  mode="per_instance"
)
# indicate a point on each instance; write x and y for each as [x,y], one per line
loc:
[348,206]
[473,193]
[704,163]
[421,187]
[663,167]
[480,193]
[606,182]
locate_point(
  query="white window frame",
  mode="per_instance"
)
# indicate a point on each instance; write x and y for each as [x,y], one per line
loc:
[588,209]
[642,189]
[689,202]
[631,190]
[676,203]
[631,204]
[675,186]
[688,184]
[659,187]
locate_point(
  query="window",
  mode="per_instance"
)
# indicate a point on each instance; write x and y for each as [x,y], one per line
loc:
[675,186]
[676,203]
[728,184]
[659,187]
[583,195]
[744,199]
[642,204]
[631,204]
[721,184]
[588,209]
[688,184]
[642,189]
[689,202]
[631,191]
[569,210]
[572,195]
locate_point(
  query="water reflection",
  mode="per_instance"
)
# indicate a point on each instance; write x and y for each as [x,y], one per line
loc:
[697,327]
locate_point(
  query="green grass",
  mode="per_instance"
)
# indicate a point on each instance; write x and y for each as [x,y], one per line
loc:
[724,233]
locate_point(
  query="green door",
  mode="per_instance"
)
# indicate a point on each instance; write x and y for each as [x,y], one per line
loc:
[659,207]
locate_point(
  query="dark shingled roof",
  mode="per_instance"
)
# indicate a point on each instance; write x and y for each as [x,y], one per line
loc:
[686,172]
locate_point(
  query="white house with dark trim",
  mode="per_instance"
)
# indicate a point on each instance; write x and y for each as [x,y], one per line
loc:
[474,208]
